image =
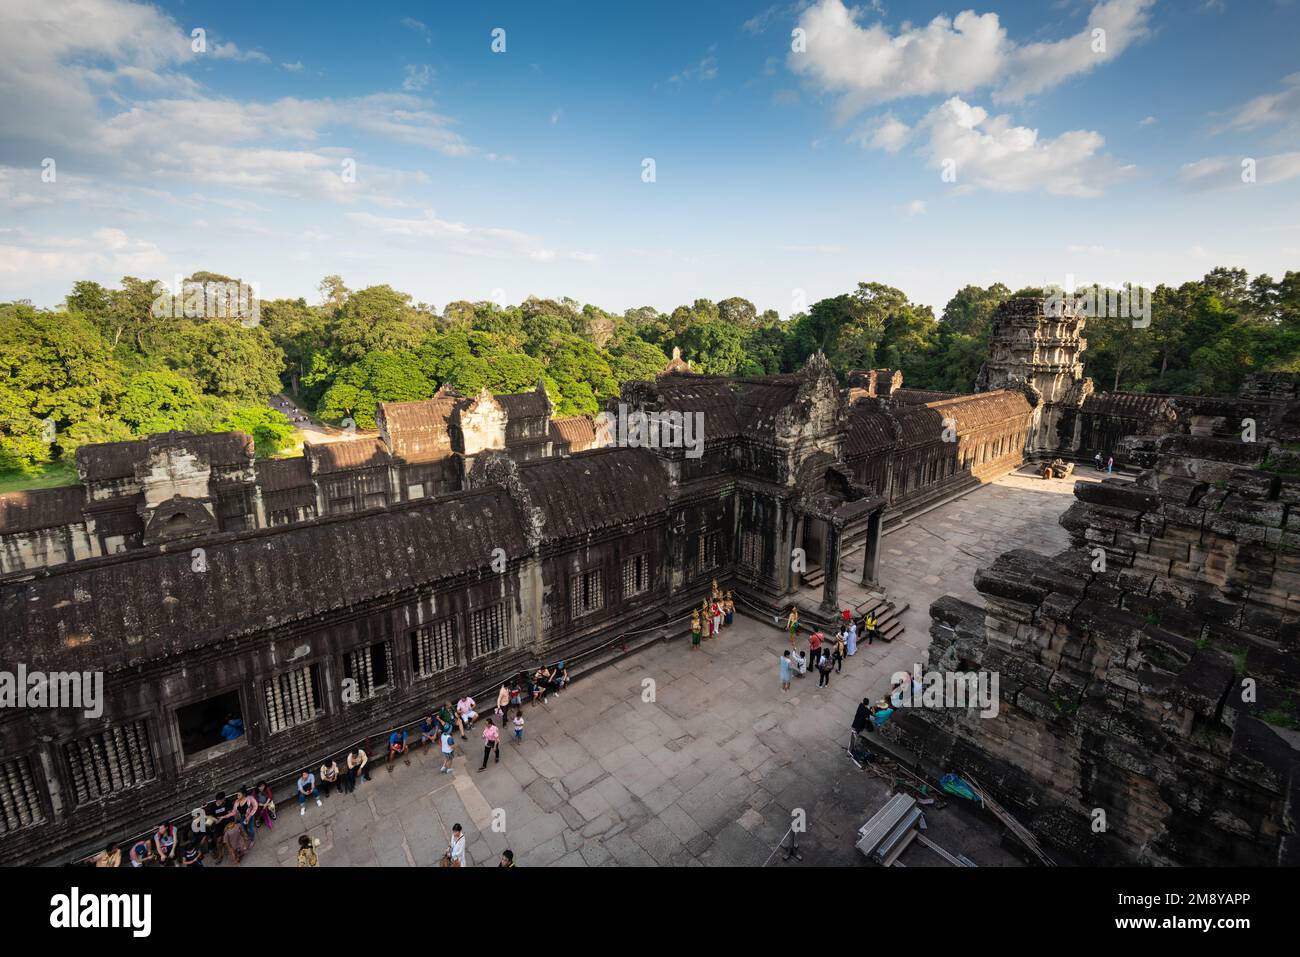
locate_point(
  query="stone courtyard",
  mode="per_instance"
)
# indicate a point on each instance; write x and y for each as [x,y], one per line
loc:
[672,757]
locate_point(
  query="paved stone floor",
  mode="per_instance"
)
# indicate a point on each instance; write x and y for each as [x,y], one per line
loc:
[680,757]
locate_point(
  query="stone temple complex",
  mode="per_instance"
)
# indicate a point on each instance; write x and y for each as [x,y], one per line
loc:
[473,537]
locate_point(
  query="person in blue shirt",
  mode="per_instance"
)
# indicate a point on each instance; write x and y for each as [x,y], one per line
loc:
[396,745]
[306,789]
[233,728]
[429,731]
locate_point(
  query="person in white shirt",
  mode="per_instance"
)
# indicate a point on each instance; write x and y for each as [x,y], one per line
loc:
[800,663]
[456,849]
[465,708]
[448,749]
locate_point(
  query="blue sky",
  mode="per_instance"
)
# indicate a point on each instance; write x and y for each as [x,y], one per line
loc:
[780,175]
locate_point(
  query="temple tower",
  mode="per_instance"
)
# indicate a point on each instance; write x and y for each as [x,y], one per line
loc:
[1036,346]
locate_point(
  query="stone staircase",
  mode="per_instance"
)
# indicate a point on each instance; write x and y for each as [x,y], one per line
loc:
[889,616]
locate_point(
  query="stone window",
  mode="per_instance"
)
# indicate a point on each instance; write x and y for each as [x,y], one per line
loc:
[293,698]
[20,804]
[415,491]
[487,630]
[636,575]
[586,592]
[433,647]
[203,724]
[370,669]
[751,550]
[112,760]
[710,551]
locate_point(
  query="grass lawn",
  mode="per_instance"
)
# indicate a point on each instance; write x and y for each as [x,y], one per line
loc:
[50,476]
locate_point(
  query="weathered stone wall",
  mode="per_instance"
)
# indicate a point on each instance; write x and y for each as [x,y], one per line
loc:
[1147,674]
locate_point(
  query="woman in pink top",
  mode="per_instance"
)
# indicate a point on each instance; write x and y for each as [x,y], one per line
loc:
[491,743]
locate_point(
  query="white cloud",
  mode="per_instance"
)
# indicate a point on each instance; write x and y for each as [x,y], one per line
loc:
[1272,109]
[887,133]
[107,254]
[870,64]
[991,153]
[706,69]
[413,24]
[1225,172]
[292,67]
[1148,121]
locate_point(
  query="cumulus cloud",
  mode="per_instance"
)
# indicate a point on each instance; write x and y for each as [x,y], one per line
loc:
[107,252]
[887,133]
[870,64]
[991,152]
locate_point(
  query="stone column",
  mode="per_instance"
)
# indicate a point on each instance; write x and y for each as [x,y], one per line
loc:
[871,553]
[796,578]
[831,566]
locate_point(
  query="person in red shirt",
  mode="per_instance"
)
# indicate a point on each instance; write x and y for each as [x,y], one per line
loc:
[814,648]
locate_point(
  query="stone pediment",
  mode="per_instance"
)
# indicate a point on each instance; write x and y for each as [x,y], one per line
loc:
[177,518]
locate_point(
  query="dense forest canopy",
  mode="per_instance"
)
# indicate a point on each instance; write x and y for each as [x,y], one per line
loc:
[109,365]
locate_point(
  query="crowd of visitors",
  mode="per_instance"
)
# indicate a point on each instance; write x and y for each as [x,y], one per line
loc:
[228,826]
[826,654]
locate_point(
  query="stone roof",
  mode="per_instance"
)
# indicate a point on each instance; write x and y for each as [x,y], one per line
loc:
[596,489]
[1129,405]
[578,432]
[106,461]
[149,603]
[327,457]
[871,429]
[41,508]
[276,475]
[984,409]
[525,405]
[421,431]
[920,396]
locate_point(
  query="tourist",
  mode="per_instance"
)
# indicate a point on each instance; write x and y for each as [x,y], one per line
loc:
[1097,461]
[519,725]
[560,678]
[192,856]
[517,692]
[307,852]
[246,813]
[465,708]
[862,717]
[306,789]
[329,777]
[541,683]
[491,743]
[223,809]
[851,639]
[449,719]
[785,670]
[869,627]
[846,616]
[792,623]
[357,761]
[815,648]
[164,842]
[110,856]
[430,731]
[824,668]
[503,701]
[1110,464]
[265,805]
[396,745]
[837,652]
[800,664]
[695,629]
[232,729]
[142,852]
[235,840]
[448,751]
[507,858]
[455,856]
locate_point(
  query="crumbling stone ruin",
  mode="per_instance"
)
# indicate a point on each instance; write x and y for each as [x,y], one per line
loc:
[1149,681]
